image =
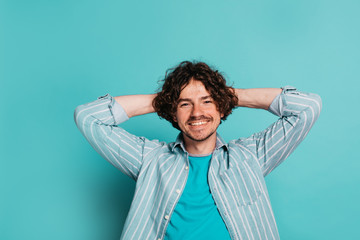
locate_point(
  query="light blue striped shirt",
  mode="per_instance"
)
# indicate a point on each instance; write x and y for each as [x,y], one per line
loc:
[236,173]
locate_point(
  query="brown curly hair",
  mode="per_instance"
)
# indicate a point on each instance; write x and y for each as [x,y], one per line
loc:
[177,78]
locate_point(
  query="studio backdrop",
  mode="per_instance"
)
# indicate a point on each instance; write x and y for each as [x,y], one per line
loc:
[56,55]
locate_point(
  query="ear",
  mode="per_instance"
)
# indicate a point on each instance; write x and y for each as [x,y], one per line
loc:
[175,119]
[221,115]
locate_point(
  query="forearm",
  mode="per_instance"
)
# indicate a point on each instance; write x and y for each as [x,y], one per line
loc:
[135,105]
[256,97]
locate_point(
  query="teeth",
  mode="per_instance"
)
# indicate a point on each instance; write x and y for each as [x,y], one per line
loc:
[197,123]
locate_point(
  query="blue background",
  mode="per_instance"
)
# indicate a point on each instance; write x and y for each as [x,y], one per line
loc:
[56,55]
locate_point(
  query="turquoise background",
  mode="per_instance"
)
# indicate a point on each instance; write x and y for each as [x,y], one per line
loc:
[56,55]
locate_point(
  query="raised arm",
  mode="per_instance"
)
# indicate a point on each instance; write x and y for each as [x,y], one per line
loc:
[298,112]
[98,120]
[257,97]
[135,105]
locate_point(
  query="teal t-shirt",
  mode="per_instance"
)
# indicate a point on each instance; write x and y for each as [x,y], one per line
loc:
[196,215]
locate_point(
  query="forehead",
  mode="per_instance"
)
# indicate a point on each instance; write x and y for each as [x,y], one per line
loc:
[194,89]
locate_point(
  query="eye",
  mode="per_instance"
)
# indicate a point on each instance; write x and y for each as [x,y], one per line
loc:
[208,101]
[184,104]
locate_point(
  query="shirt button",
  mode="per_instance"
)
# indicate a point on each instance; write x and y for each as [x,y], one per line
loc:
[167,217]
[178,191]
[186,168]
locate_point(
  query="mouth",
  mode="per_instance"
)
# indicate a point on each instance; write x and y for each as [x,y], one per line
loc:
[198,123]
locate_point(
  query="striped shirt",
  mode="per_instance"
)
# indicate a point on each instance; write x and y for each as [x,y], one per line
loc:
[236,173]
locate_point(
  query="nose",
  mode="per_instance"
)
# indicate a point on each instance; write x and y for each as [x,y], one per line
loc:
[196,110]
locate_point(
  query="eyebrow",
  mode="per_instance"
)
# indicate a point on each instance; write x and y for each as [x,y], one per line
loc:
[189,100]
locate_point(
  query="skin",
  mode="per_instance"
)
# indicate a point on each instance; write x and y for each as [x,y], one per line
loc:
[198,118]
[195,106]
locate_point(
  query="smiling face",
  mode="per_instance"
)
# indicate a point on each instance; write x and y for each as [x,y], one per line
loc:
[197,114]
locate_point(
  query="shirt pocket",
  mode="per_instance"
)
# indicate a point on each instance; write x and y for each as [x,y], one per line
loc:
[243,183]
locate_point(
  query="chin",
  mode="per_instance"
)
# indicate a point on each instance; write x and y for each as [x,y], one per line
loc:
[199,138]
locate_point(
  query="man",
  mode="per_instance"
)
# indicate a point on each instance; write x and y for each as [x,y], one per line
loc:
[199,187]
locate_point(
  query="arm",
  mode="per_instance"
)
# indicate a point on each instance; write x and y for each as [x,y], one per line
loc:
[135,105]
[298,111]
[98,121]
[256,97]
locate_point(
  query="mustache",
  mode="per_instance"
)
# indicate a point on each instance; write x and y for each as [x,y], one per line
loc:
[192,119]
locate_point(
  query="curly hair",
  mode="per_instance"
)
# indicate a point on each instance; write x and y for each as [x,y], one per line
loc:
[177,78]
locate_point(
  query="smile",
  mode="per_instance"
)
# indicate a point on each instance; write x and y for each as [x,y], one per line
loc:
[197,123]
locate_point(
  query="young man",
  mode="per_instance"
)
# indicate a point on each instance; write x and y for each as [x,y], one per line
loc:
[199,187]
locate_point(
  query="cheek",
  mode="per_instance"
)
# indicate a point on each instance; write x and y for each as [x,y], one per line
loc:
[176,116]
[180,116]
[215,112]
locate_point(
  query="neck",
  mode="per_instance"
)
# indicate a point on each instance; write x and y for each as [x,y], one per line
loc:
[200,147]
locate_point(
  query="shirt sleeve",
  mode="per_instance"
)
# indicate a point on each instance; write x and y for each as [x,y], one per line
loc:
[98,121]
[298,112]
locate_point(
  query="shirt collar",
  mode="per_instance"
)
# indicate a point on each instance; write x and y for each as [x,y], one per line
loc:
[180,142]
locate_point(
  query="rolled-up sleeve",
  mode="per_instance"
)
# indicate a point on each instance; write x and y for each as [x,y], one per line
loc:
[98,121]
[298,112]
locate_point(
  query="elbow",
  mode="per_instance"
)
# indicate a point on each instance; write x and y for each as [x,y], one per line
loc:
[77,115]
[312,112]
[312,106]
[317,106]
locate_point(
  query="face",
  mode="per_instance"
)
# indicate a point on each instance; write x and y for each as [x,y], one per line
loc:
[196,114]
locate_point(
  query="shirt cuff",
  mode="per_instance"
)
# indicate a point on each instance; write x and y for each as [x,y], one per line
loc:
[116,109]
[277,105]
